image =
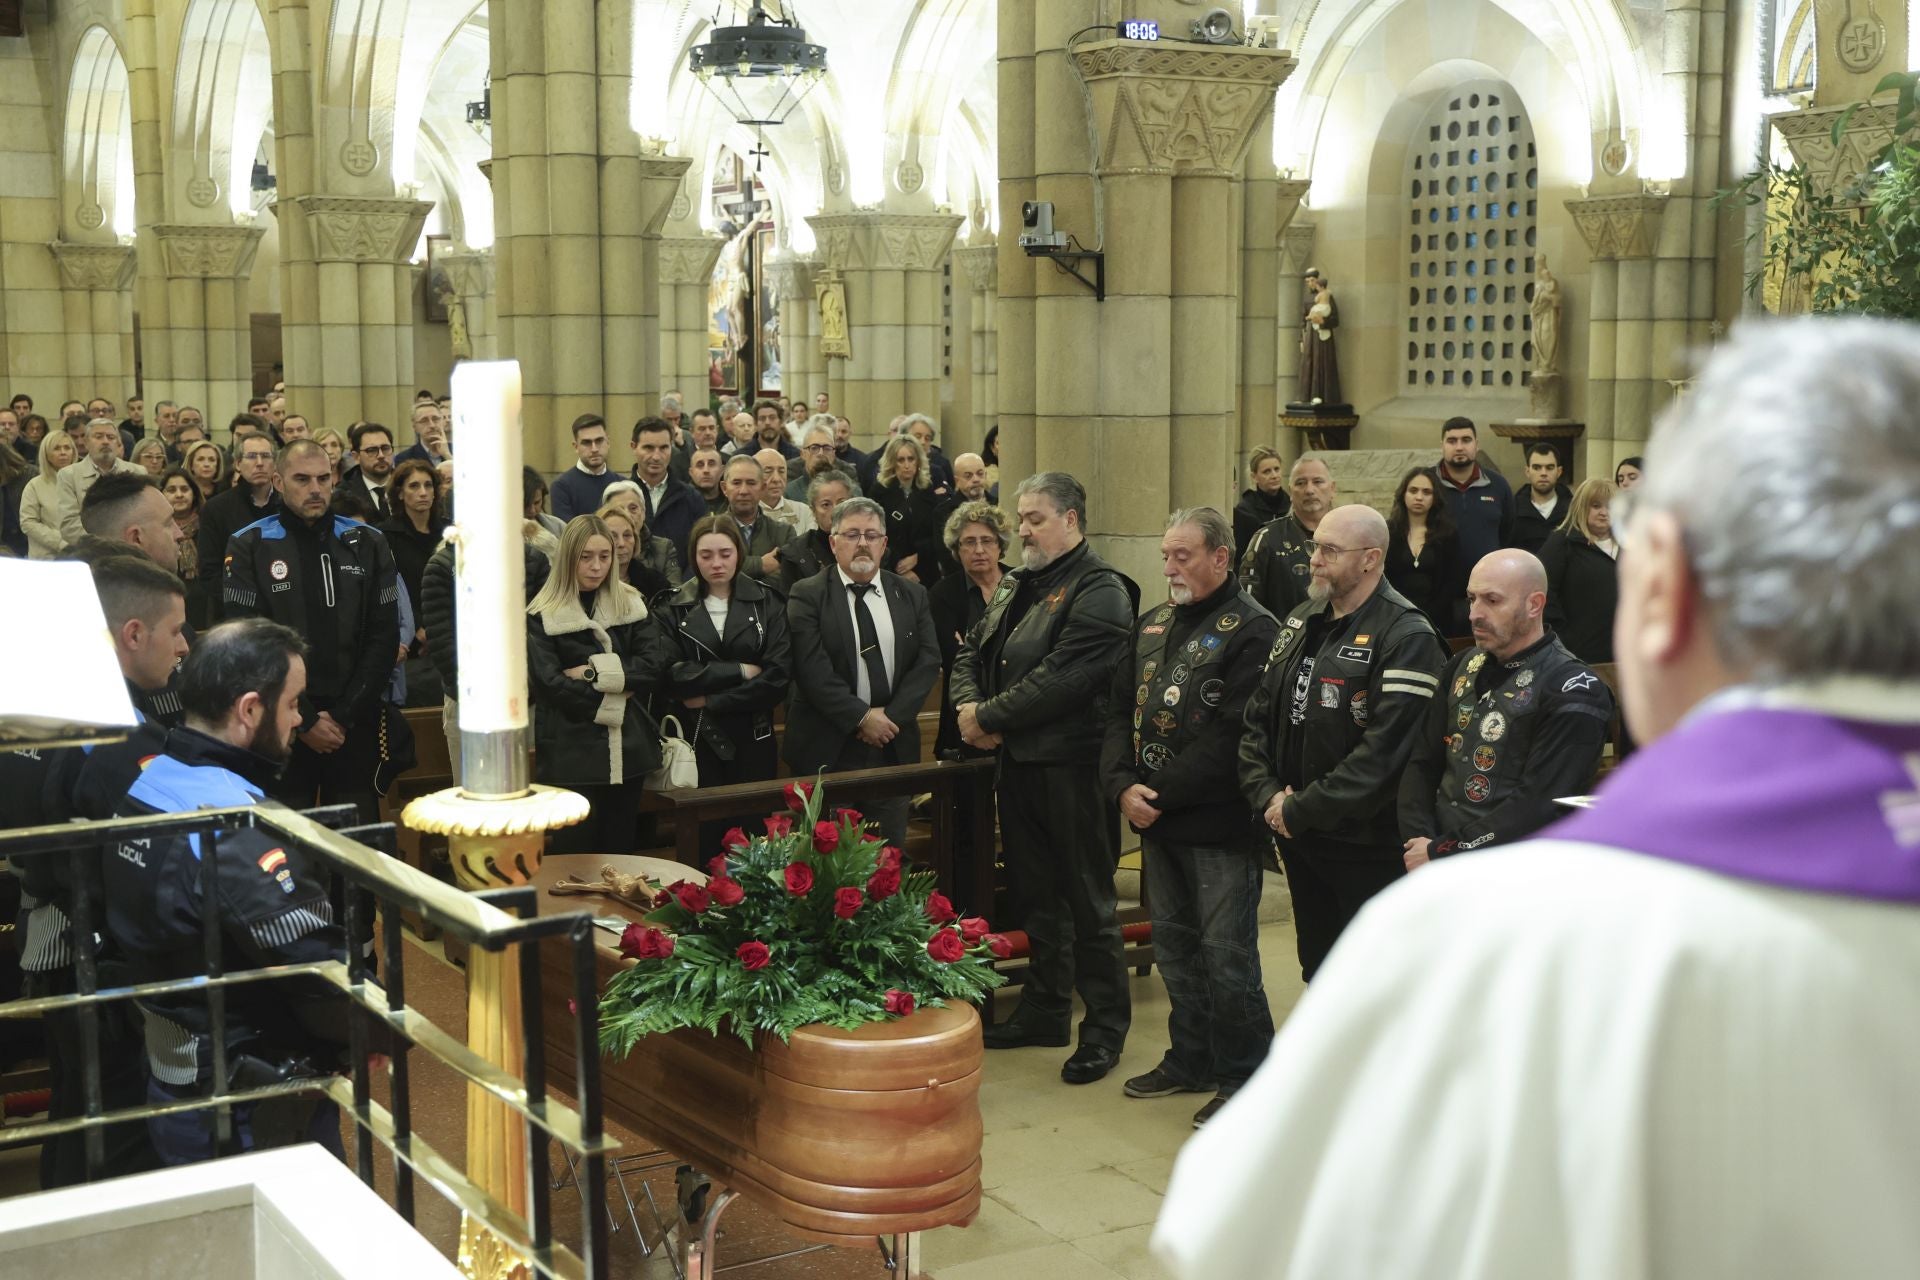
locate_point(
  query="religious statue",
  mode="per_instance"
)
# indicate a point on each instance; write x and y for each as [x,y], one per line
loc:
[459,340]
[1319,371]
[1546,320]
[831,294]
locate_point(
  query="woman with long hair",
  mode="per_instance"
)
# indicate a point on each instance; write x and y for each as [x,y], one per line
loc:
[1424,562]
[40,498]
[1582,581]
[593,658]
[336,446]
[627,533]
[1264,501]
[902,482]
[183,495]
[413,531]
[206,466]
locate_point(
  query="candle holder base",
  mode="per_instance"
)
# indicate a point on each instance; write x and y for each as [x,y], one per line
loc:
[453,812]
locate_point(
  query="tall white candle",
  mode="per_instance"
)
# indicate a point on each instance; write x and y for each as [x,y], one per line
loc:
[490,595]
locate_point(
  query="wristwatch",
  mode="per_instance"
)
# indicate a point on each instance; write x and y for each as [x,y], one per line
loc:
[588,677]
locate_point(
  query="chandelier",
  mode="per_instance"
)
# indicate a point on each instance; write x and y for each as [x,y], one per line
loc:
[760,71]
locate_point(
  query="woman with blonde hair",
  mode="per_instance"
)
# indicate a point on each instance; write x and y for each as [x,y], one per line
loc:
[593,658]
[627,533]
[336,446]
[902,488]
[1582,587]
[206,466]
[1264,501]
[151,453]
[40,500]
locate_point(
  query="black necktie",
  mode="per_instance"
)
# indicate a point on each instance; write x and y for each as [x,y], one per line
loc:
[878,688]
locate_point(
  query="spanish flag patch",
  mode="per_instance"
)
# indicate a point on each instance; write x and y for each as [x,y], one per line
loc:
[272,860]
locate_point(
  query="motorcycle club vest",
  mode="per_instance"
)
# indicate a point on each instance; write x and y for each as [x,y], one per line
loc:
[1491,734]
[1180,692]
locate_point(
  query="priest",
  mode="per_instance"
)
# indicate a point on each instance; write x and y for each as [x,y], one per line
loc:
[1675,1035]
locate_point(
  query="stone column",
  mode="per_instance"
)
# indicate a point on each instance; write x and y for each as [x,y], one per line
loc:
[890,264]
[203,354]
[1296,255]
[1622,233]
[686,272]
[471,273]
[980,264]
[1266,309]
[95,280]
[792,279]
[348,341]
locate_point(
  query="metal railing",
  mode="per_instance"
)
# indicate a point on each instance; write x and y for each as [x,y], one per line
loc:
[359,859]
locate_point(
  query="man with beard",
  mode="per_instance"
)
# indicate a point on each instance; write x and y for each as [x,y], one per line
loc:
[743,483]
[102,449]
[770,430]
[1173,730]
[330,579]
[812,551]
[1519,722]
[243,686]
[372,449]
[845,457]
[864,660]
[1543,508]
[1030,680]
[1330,726]
[1274,568]
[1481,500]
[672,504]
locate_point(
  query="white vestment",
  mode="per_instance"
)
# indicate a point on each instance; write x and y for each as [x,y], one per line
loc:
[1728,1071]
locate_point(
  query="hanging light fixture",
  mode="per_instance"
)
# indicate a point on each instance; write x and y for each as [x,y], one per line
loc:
[761,71]
[480,114]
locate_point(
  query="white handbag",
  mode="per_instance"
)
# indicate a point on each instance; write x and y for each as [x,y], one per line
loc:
[679,769]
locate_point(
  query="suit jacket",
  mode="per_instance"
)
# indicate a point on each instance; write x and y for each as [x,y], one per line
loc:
[826,655]
[361,485]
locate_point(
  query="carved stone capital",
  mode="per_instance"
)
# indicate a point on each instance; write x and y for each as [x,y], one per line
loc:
[689,259]
[363,228]
[1178,108]
[1296,247]
[94,266]
[207,252]
[469,270]
[660,179]
[1288,195]
[884,241]
[792,278]
[981,262]
[1619,226]
[1808,134]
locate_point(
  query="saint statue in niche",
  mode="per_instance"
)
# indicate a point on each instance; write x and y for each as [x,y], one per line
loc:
[1319,370]
[831,293]
[1546,319]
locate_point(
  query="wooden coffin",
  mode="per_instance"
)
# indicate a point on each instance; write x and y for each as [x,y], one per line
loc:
[843,1135]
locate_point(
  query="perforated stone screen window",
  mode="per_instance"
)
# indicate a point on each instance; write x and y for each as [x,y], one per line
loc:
[1473,189]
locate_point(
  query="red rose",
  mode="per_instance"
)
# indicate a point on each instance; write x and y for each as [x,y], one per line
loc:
[717,865]
[826,837]
[642,942]
[779,825]
[939,909]
[753,955]
[726,891]
[690,896]
[899,1002]
[798,793]
[846,902]
[734,839]
[973,928]
[799,878]
[890,858]
[1000,947]
[883,883]
[849,816]
[946,947]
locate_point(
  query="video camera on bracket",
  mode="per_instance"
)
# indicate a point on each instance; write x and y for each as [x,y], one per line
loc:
[1037,237]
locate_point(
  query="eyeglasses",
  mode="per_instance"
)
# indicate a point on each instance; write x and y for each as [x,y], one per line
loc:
[376,448]
[256,457]
[1330,551]
[868,535]
[980,544]
[816,448]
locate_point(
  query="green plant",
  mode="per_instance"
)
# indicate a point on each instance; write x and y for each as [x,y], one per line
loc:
[815,921]
[1853,247]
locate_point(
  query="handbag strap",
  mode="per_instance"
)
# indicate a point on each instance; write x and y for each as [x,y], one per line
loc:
[678,731]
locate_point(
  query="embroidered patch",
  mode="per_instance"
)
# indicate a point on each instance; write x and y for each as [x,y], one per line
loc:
[285,877]
[1459,685]
[1212,691]
[1521,699]
[1140,696]
[1165,722]
[1585,680]
[1365,639]
[1493,726]
[1153,630]
[1164,614]
[279,570]
[1478,788]
[1354,653]
[1146,672]
[1484,759]
[1155,755]
[1179,673]
[1172,696]
[272,860]
[1329,694]
[1227,622]
[1297,624]
[1476,662]
[1466,714]
[1357,707]
[1524,679]
[1211,641]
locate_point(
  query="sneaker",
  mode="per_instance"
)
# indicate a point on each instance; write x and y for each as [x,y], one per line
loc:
[1158,1084]
[1212,1108]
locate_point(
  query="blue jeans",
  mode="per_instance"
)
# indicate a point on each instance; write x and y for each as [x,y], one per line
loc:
[1206,905]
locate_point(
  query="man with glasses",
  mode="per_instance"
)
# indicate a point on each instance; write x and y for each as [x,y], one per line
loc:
[252,498]
[1331,724]
[865,657]
[373,450]
[430,443]
[816,458]
[1274,567]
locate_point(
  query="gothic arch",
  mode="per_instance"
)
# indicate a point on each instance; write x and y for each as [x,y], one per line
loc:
[222,101]
[97,148]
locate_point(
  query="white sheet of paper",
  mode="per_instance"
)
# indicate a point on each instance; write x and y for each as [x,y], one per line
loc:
[56,613]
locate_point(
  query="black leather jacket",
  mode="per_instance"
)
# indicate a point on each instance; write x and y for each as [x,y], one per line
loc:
[700,663]
[1039,661]
[1273,567]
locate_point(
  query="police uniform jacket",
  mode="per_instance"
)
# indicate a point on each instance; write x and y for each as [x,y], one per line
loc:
[1274,567]
[1335,714]
[334,584]
[1501,741]
[594,730]
[1041,658]
[1175,711]
[703,662]
[273,910]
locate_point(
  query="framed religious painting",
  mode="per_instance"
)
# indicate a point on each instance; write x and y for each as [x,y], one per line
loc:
[766,306]
[438,285]
[729,309]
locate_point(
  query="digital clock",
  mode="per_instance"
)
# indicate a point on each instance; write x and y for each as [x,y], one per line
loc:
[1138,29]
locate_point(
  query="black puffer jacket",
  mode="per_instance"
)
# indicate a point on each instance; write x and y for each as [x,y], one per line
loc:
[435,611]
[702,663]
[588,734]
[1254,510]
[1039,661]
[1582,591]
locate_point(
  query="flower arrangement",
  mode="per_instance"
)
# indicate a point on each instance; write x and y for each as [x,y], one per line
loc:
[814,921]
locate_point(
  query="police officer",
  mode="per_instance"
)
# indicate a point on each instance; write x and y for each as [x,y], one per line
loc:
[1518,722]
[1173,732]
[242,688]
[1274,567]
[332,581]
[1329,728]
[1030,680]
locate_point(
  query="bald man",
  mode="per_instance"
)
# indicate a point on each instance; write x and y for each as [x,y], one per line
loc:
[1329,728]
[1519,722]
[773,493]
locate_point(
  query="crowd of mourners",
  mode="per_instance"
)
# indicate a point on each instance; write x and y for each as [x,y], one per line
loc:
[1288,696]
